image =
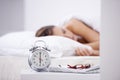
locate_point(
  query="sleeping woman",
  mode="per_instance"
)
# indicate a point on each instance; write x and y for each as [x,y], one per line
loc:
[76,30]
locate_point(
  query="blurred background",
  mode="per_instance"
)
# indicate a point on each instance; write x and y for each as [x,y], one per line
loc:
[17,15]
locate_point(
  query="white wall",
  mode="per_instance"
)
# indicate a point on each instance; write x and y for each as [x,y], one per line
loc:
[11,16]
[110,40]
[44,12]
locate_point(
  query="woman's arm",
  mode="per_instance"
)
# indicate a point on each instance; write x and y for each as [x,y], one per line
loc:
[83,30]
[94,45]
[86,52]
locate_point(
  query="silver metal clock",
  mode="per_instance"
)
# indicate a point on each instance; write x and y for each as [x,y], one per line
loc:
[39,59]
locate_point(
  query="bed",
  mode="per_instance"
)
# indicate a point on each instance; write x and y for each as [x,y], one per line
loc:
[14,51]
[16,68]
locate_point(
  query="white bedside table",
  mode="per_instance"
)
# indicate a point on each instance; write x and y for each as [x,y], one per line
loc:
[32,75]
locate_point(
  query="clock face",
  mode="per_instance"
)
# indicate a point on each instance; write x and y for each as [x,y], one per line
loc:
[40,59]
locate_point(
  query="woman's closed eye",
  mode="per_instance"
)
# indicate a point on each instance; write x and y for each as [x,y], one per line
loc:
[63,31]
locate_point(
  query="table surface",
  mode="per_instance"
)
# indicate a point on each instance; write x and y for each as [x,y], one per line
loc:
[33,75]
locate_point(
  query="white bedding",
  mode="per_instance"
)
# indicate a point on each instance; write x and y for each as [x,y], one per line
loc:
[29,75]
[15,48]
[19,43]
[12,66]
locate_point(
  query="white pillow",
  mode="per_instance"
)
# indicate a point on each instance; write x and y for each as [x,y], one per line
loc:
[60,46]
[16,39]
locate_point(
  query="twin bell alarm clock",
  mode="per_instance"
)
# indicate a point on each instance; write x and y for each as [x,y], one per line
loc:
[39,59]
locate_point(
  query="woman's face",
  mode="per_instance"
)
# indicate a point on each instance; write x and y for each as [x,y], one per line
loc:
[64,32]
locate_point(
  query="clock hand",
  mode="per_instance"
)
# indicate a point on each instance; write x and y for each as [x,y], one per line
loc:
[40,58]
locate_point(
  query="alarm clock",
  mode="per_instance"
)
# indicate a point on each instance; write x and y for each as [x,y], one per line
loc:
[39,59]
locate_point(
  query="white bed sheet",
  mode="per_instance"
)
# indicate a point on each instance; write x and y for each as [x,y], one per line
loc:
[29,75]
[12,66]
